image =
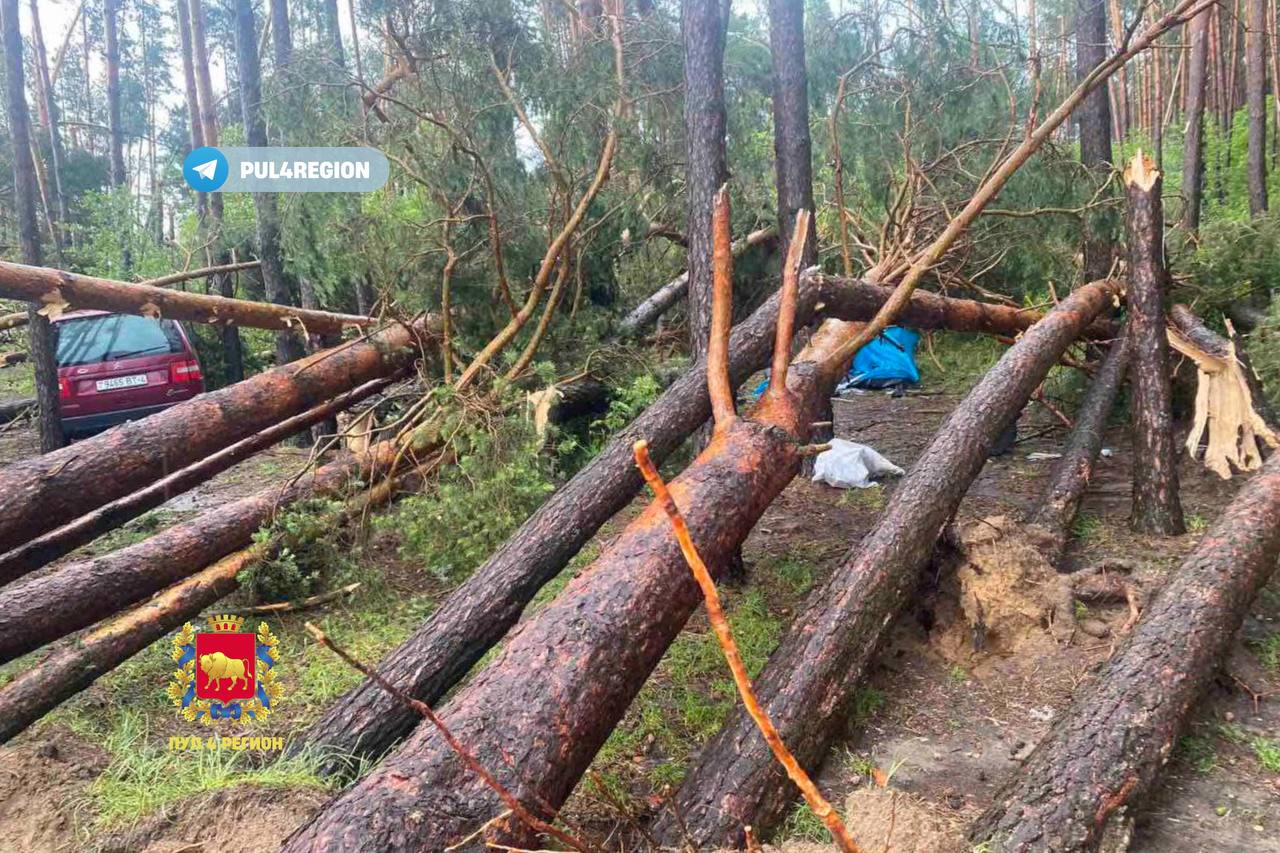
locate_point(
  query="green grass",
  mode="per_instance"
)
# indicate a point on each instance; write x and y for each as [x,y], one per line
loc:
[794,573]
[965,358]
[867,702]
[1198,752]
[803,825]
[1269,653]
[871,498]
[1197,524]
[1267,751]
[1087,526]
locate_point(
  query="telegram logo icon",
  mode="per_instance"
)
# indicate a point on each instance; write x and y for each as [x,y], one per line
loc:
[205,169]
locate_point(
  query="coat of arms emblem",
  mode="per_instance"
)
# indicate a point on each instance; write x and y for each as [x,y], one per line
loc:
[225,675]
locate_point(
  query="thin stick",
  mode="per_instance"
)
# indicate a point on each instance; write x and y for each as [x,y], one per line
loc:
[787,305]
[303,603]
[718,385]
[724,634]
[422,708]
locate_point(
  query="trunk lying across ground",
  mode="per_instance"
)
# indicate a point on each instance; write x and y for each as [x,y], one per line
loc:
[40,494]
[42,285]
[38,610]
[536,716]
[807,685]
[57,543]
[1106,750]
[13,409]
[366,722]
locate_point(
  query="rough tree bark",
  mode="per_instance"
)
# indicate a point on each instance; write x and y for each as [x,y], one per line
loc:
[647,312]
[1193,140]
[1255,63]
[49,105]
[1094,116]
[793,160]
[810,679]
[42,285]
[24,190]
[1106,750]
[1156,505]
[281,35]
[702,26]
[289,344]
[38,495]
[110,22]
[366,722]
[195,132]
[57,543]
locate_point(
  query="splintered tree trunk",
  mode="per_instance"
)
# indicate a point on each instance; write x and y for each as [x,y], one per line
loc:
[1156,505]
[536,716]
[1256,95]
[1193,141]
[1106,750]
[39,610]
[1073,472]
[24,191]
[57,543]
[1095,131]
[42,285]
[1211,342]
[793,158]
[647,312]
[38,495]
[366,722]
[809,681]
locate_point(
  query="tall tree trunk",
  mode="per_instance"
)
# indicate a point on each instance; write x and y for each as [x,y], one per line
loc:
[1193,138]
[1094,116]
[702,25]
[281,34]
[116,174]
[195,133]
[289,345]
[1157,507]
[809,681]
[40,332]
[793,166]
[1105,751]
[333,33]
[57,154]
[1255,60]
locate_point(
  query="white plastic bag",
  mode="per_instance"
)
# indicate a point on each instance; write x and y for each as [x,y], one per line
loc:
[849,465]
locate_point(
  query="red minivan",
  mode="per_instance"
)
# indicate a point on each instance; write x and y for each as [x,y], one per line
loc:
[114,368]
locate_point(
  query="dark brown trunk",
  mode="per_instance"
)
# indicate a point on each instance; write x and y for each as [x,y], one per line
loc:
[289,343]
[1193,140]
[57,543]
[1211,342]
[702,26]
[1074,471]
[49,105]
[44,285]
[24,190]
[806,687]
[1156,504]
[38,495]
[110,15]
[16,408]
[1105,751]
[568,675]
[793,166]
[41,609]
[1094,116]
[1255,60]
[647,312]
[366,722]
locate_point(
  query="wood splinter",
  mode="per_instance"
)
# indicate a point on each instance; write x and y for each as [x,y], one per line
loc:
[719,386]
[724,634]
[787,307]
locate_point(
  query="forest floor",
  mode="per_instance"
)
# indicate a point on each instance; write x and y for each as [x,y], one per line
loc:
[945,724]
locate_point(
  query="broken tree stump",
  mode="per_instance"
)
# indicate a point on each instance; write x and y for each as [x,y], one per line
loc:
[1195,329]
[1104,752]
[62,541]
[45,492]
[811,678]
[1157,507]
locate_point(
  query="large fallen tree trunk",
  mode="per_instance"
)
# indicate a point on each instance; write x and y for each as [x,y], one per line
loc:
[809,681]
[82,660]
[40,609]
[647,312]
[45,286]
[366,722]
[57,543]
[40,494]
[1105,751]
[16,408]
[1211,342]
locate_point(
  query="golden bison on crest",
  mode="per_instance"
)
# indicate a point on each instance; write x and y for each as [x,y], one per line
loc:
[218,666]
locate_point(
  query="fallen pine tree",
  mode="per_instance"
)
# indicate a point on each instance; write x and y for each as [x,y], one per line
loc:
[45,492]
[810,680]
[58,291]
[1104,752]
[366,722]
[57,543]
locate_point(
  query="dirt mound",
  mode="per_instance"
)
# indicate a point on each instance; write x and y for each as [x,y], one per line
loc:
[886,819]
[40,783]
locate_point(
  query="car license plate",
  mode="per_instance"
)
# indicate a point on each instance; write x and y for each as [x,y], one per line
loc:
[122,382]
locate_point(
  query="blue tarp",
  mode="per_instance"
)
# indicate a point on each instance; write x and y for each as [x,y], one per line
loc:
[890,359]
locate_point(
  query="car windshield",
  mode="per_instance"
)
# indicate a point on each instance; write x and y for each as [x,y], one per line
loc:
[107,337]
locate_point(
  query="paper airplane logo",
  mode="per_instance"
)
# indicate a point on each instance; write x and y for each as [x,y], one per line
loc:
[205,169]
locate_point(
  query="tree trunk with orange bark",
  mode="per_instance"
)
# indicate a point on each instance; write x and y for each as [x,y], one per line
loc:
[1106,750]
[810,680]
